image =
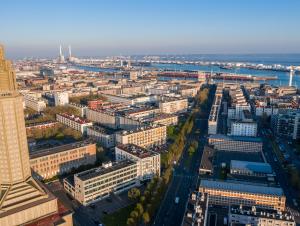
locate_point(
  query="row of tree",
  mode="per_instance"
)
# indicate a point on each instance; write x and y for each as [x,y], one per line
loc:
[147,203]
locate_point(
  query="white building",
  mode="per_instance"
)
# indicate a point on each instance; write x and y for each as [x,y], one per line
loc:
[74,122]
[105,136]
[61,98]
[95,184]
[148,162]
[239,128]
[34,103]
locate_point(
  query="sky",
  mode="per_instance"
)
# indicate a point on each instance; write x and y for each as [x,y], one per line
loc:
[126,27]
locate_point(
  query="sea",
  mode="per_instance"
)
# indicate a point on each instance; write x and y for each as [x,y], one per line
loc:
[267,59]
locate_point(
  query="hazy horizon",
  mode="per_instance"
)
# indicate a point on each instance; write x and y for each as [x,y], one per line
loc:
[94,28]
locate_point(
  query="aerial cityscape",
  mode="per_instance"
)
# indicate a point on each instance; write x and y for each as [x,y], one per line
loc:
[128,113]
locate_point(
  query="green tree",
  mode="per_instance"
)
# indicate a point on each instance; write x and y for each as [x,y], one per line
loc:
[130,221]
[134,193]
[139,208]
[146,218]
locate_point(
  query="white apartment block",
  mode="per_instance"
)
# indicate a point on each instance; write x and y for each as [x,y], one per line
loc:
[95,184]
[74,122]
[34,103]
[80,108]
[173,106]
[239,128]
[61,98]
[148,162]
[104,136]
[145,136]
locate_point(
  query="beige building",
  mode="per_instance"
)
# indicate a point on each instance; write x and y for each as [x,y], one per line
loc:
[242,193]
[34,103]
[148,162]
[96,184]
[146,136]
[23,200]
[173,105]
[48,163]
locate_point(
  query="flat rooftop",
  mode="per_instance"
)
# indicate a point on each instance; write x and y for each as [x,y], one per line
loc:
[96,172]
[136,150]
[242,187]
[260,212]
[235,138]
[207,159]
[103,129]
[58,149]
[251,166]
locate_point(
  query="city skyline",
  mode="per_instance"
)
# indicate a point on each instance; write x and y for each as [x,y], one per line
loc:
[35,29]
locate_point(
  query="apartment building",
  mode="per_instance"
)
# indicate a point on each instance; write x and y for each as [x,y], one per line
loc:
[146,136]
[251,215]
[235,143]
[47,163]
[80,108]
[105,136]
[61,98]
[173,105]
[242,193]
[241,128]
[95,184]
[215,111]
[40,125]
[34,103]
[74,122]
[148,162]
[287,124]
[162,119]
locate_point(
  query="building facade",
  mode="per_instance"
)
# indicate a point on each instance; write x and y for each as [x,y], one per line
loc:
[51,162]
[34,103]
[173,106]
[235,143]
[96,184]
[145,136]
[148,162]
[242,193]
[74,122]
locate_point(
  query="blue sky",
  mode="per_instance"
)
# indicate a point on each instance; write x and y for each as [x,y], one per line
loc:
[36,28]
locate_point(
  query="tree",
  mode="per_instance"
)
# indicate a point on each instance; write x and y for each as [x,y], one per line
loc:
[134,214]
[139,208]
[134,193]
[146,218]
[130,221]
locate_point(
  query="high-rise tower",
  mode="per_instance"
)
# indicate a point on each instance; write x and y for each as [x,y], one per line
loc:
[22,199]
[61,58]
[291,76]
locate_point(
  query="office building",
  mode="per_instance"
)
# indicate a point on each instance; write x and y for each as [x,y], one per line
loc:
[47,163]
[23,200]
[146,136]
[98,183]
[239,192]
[235,143]
[251,215]
[61,98]
[148,162]
[256,169]
[77,123]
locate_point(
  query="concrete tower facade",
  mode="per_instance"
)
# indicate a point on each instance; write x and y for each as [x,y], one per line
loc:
[22,199]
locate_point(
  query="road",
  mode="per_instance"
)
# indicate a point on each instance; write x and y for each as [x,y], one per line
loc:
[184,180]
[281,176]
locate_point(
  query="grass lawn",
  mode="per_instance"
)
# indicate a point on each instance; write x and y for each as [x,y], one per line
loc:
[118,218]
